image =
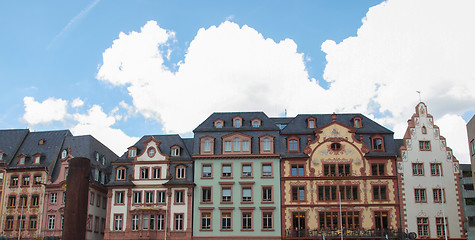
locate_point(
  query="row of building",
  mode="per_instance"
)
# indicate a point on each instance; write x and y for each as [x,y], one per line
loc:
[243,175]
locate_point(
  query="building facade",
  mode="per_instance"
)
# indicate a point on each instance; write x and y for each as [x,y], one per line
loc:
[55,193]
[429,181]
[237,174]
[468,198]
[471,143]
[150,191]
[338,174]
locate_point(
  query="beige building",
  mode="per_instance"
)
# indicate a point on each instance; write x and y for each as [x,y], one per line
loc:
[429,181]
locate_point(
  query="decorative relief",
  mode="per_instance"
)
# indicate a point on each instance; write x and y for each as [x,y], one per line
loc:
[430,122]
[413,132]
[456,168]
[421,213]
[436,133]
[400,167]
[404,155]
[417,121]
[442,144]
[422,110]
[409,144]
[449,156]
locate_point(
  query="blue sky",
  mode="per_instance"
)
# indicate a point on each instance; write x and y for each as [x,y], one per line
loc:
[320,55]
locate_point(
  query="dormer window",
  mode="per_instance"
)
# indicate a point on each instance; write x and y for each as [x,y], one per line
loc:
[151,152]
[357,123]
[293,144]
[120,174]
[236,143]
[132,152]
[311,122]
[267,144]
[180,172]
[97,157]
[103,160]
[36,159]
[424,130]
[1,156]
[237,122]
[207,145]
[21,160]
[175,151]
[218,123]
[378,143]
[64,154]
[41,142]
[256,123]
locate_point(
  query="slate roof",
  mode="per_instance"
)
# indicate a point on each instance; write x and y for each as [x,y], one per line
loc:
[49,150]
[398,144]
[87,146]
[10,142]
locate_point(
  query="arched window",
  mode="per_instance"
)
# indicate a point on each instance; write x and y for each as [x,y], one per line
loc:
[266,144]
[424,130]
[207,147]
[293,144]
[237,123]
[378,143]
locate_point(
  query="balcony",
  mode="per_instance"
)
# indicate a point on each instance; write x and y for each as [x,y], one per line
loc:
[347,234]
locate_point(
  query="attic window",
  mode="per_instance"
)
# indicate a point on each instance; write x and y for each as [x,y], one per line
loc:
[151,151]
[311,122]
[424,130]
[357,122]
[335,146]
[175,151]
[21,160]
[132,152]
[237,123]
[218,123]
[103,160]
[97,157]
[256,123]
[36,160]
[1,156]
[41,142]
[64,154]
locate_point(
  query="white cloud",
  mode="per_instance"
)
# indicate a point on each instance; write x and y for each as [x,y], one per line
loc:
[77,102]
[99,125]
[453,128]
[47,111]
[402,46]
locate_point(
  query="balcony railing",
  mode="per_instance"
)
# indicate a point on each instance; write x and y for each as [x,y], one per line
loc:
[350,233]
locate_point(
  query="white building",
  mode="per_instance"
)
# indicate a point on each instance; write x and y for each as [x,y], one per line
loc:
[429,177]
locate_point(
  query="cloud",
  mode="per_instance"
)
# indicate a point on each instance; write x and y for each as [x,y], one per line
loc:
[47,111]
[77,102]
[402,46]
[226,68]
[99,124]
[452,127]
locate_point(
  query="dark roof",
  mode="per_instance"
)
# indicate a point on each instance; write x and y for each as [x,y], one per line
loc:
[167,141]
[397,145]
[10,142]
[49,150]
[227,117]
[87,146]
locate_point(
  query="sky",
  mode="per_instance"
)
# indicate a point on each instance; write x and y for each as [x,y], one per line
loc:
[119,70]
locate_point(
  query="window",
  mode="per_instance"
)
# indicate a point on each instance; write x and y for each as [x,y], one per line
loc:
[207,145]
[329,170]
[237,145]
[135,222]
[227,146]
[245,146]
[104,201]
[156,173]
[226,221]
[9,223]
[151,152]
[205,221]
[357,122]
[226,194]
[237,123]
[267,194]
[160,222]
[418,169]
[424,145]
[378,144]
[335,147]
[256,124]
[247,194]
[439,223]
[11,201]
[297,170]
[293,145]
[298,193]
[35,200]
[14,181]
[120,174]
[37,180]
[377,169]
[435,169]
[51,222]
[175,152]
[53,197]
[152,222]
[311,123]
[247,220]
[206,195]
[207,169]
[160,196]
[267,170]
[118,222]
[91,198]
[137,197]
[468,187]
[379,193]
[25,181]
[21,222]
[33,222]
[178,196]
[21,161]
[327,193]
[246,170]
[23,200]
[218,124]
[267,219]
[438,195]
[424,130]
[178,222]
[226,171]
[149,197]
[144,173]
[119,197]
[420,195]
[64,197]
[267,145]
[180,172]
[36,160]
[348,193]
[132,152]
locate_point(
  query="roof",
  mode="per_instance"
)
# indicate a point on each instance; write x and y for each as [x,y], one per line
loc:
[227,117]
[10,142]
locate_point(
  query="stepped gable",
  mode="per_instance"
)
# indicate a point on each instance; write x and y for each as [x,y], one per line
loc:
[10,142]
